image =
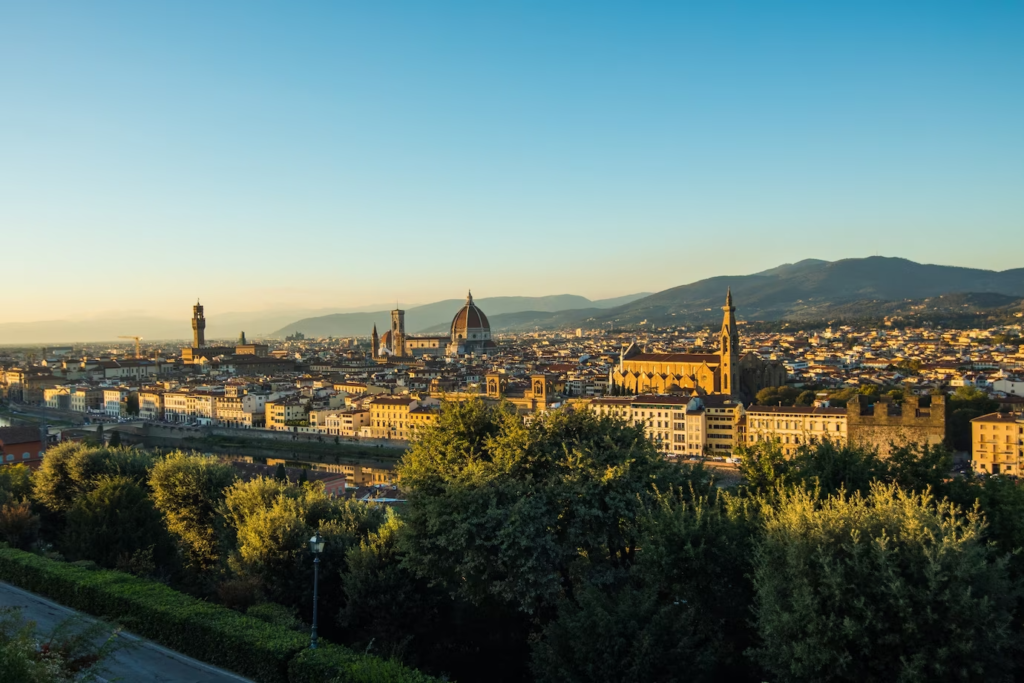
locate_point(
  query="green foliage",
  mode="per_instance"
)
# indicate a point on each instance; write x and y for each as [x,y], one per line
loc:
[281,474]
[763,465]
[207,632]
[512,511]
[806,398]
[273,521]
[778,396]
[72,469]
[884,587]
[115,439]
[18,524]
[15,482]
[188,490]
[73,652]
[264,652]
[114,522]
[385,603]
[132,405]
[278,615]
[832,467]
[341,665]
[962,406]
[680,616]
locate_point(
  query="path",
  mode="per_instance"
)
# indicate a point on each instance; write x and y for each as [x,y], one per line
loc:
[144,661]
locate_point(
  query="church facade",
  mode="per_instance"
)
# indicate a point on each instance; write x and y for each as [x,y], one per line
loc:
[724,373]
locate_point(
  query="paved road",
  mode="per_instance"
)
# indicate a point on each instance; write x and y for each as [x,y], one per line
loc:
[143,661]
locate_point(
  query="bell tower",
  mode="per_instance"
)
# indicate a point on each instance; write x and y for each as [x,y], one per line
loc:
[729,348]
[374,342]
[398,332]
[198,326]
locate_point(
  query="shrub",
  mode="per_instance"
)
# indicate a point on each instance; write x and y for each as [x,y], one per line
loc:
[341,665]
[207,632]
[262,651]
[18,525]
[276,614]
[113,522]
[885,587]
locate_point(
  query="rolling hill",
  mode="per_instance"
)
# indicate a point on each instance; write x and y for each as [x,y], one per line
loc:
[807,290]
[436,317]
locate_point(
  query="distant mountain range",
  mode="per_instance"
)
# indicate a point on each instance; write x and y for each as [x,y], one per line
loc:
[808,290]
[436,317]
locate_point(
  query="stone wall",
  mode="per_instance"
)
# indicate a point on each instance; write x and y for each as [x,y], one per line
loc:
[920,419]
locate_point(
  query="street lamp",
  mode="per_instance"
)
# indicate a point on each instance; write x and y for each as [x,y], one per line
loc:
[316,546]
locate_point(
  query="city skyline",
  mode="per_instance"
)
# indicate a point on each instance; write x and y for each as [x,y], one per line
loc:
[263,157]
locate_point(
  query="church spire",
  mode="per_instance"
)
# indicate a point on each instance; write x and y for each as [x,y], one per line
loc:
[728,297]
[469,296]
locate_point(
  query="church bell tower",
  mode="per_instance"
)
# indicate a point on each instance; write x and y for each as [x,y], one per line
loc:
[374,342]
[398,332]
[729,348]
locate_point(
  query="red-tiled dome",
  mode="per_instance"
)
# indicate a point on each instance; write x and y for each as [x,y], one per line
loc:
[470,323]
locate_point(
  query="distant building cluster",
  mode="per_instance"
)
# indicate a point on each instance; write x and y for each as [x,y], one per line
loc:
[697,393]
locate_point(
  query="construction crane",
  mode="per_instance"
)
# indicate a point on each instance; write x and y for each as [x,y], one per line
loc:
[138,353]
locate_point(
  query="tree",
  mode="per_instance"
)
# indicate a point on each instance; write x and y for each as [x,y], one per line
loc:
[113,522]
[273,522]
[15,482]
[831,467]
[890,586]
[763,465]
[682,613]
[115,439]
[188,491]
[303,477]
[506,510]
[18,524]
[962,406]
[131,406]
[281,474]
[72,469]
[806,398]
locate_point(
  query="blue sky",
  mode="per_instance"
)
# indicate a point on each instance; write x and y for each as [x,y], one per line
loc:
[336,154]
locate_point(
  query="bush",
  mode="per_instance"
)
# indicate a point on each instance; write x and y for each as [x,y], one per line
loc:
[207,632]
[211,633]
[341,665]
[113,523]
[18,525]
[885,587]
[276,614]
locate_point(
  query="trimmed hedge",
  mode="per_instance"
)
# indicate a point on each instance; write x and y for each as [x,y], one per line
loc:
[341,665]
[210,633]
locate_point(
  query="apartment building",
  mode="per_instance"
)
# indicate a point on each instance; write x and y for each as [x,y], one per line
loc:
[85,399]
[115,401]
[280,412]
[997,443]
[681,426]
[795,426]
[151,404]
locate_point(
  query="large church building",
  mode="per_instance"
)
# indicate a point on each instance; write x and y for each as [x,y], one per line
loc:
[470,333]
[723,373]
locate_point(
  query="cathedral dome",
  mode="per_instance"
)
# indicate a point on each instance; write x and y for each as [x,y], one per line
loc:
[470,323]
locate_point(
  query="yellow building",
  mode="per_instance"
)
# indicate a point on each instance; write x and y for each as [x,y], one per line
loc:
[680,426]
[997,443]
[282,411]
[795,426]
[725,372]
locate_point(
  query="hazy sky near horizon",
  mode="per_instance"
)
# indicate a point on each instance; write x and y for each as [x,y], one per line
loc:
[329,154]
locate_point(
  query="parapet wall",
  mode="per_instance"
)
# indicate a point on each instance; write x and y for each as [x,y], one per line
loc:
[919,419]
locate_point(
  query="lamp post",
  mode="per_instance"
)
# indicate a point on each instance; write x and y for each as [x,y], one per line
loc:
[316,546]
